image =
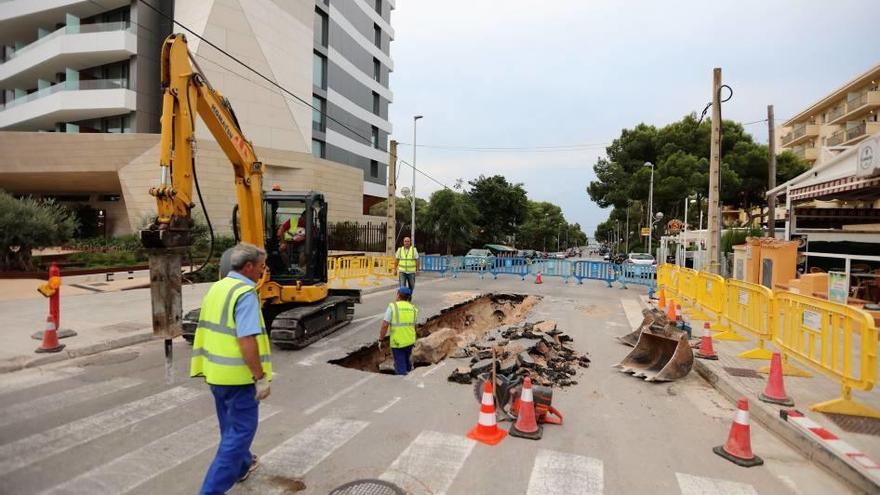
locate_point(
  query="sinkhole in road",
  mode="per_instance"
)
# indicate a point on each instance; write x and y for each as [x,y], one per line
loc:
[460,323]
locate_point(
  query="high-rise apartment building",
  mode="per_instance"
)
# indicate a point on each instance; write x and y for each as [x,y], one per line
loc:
[80,100]
[835,123]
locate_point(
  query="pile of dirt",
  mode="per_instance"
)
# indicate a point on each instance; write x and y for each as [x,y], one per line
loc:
[538,350]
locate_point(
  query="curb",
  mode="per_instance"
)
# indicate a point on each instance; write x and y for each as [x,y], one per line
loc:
[19,363]
[813,450]
[23,362]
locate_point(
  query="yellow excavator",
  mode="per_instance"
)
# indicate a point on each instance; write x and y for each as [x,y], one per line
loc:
[298,307]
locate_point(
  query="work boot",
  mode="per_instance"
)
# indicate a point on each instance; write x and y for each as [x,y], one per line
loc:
[255,463]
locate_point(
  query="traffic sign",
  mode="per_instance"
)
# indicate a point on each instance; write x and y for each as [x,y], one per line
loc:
[646,231]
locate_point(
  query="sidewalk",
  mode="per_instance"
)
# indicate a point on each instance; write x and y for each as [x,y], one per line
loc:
[862,433]
[102,320]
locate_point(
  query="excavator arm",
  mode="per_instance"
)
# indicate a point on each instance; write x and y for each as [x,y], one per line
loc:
[186,92]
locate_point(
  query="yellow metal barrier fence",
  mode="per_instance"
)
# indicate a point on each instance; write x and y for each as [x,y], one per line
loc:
[749,306]
[352,267]
[710,289]
[383,267]
[687,286]
[836,339]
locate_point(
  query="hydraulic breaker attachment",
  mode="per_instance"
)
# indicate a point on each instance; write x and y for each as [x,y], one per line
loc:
[658,358]
[166,299]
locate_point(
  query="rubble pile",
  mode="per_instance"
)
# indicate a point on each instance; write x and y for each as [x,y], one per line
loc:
[538,350]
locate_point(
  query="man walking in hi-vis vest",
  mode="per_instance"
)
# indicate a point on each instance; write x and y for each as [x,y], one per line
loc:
[406,261]
[231,351]
[401,318]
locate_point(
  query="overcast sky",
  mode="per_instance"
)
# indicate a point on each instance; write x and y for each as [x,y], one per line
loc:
[520,73]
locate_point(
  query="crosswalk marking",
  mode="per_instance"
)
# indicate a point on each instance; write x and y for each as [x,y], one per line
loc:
[63,400]
[140,466]
[37,447]
[698,485]
[338,394]
[19,380]
[430,463]
[559,473]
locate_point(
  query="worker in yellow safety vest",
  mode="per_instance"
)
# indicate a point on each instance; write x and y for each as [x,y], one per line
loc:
[400,318]
[231,352]
[406,261]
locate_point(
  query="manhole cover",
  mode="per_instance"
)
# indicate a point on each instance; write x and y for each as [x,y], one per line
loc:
[743,373]
[368,487]
[125,327]
[854,424]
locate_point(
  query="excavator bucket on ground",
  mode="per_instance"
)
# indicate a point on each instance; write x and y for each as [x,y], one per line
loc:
[659,358]
[654,321]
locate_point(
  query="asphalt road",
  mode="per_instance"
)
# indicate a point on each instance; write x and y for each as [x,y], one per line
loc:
[110,424]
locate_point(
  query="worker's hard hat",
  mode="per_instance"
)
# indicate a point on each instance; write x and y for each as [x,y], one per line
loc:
[404,291]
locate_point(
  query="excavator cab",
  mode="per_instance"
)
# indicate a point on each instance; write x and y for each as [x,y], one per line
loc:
[295,236]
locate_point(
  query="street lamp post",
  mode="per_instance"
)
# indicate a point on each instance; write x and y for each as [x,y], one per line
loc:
[650,207]
[412,228]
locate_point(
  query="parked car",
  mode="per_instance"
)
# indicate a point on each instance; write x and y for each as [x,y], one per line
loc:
[640,259]
[526,253]
[559,256]
[477,258]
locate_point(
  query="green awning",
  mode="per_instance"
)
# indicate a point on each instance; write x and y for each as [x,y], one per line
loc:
[500,248]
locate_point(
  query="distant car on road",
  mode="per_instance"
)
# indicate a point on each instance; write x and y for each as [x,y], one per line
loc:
[559,256]
[640,259]
[477,258]
[526,253]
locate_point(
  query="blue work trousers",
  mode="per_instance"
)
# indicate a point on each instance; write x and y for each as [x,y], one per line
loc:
[402,361]
[238,414]
[408,280]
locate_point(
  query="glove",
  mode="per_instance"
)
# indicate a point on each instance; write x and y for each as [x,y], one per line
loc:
[262,386]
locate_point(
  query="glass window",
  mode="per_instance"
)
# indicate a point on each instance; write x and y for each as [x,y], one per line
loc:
[319,74]
[374,168]
[375,103]
[318,148]
[377,35]
[375,136]
[377,70]
[379,7]
[320,27]
[318,113]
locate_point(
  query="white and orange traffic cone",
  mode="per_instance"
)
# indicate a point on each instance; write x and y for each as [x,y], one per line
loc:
[50,337]
[661,299]
[670,315]
[774,393]
[538,279]
[487,430]
[526,425]
[738,448]
[706,351]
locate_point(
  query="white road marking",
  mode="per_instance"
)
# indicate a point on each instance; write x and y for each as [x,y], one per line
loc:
[348,332]
[20,380]
[434,368]
[37,447]
[63,400]
[135,468]
[309,361]
[305,450]
[387,406]
[430,463]
[559,473]
[365,318]
[633,311]
[698,485]
[339,394]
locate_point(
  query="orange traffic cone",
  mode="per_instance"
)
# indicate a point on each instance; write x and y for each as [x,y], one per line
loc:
[774,393]
[670,315]
[538,279]
[487,430]
[738,448]
[526,425]
[706,351]
[50,337]
[661,298]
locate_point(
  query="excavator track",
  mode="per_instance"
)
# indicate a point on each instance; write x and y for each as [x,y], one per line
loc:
[299,327]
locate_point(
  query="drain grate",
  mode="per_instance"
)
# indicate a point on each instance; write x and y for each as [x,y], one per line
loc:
[855,424]
[368,487]
[743,372]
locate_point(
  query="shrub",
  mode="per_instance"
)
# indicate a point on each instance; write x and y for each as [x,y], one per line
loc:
[27,224]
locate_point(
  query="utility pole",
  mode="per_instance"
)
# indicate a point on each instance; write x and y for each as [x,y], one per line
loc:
[412,222]
[771,173]
[714,246]
[391,213]
[627,229]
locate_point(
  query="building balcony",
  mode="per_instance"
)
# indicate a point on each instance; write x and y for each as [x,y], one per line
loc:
[856,106]
[860,131]
[809,154]
[801,133]
[836,140]
[73,47]
[67,102]
[20,19]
